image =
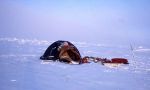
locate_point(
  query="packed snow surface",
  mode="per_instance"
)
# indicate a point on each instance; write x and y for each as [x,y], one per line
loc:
[21,68]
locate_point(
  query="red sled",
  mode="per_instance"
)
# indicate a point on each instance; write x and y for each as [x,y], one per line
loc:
[119,60]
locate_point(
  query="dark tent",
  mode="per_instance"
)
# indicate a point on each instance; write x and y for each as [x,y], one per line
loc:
[52,52]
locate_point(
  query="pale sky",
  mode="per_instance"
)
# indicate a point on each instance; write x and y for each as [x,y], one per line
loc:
[76,20]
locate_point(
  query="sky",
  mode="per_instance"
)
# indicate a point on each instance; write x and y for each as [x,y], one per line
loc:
[110,21]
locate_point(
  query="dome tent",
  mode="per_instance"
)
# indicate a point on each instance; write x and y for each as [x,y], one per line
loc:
[52,52]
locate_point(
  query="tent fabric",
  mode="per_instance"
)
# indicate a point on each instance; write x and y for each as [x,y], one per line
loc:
[52,52]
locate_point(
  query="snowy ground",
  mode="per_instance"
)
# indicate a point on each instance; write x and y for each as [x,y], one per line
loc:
[21,68]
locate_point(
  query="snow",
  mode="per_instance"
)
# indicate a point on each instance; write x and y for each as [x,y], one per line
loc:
[21,68]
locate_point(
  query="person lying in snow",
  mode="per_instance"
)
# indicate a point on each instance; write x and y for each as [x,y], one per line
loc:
[65,51]
[64,56]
